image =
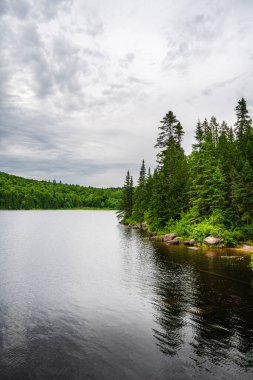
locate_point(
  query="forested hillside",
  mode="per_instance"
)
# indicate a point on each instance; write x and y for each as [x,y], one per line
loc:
[21,193]
[209,192]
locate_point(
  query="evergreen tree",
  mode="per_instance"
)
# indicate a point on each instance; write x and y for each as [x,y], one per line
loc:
[126,201]
[243,123]
[172,173]
[140,196]
[171,131]
[242,194]
[178,133]
[199,135]
[213,186]
[214,129]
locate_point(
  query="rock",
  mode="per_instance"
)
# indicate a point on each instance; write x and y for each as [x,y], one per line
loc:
[232,257]
[190,242]
[246,246]
[153,233]
[172,241]
[169,237]
[211,240]
[137,226]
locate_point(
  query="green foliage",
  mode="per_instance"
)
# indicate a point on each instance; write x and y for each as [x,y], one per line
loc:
[210,192]
[125,209]
[18,193]
[251,262]
[140,195]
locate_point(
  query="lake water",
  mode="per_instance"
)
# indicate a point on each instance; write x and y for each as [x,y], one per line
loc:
[82,297]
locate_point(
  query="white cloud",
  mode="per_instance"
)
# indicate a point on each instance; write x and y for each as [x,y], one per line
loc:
[83,85]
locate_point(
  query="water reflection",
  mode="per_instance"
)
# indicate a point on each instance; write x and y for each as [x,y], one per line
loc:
[82,297]
[202,316]
[202,306]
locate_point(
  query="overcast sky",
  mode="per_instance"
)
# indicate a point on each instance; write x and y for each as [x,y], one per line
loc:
[83,84]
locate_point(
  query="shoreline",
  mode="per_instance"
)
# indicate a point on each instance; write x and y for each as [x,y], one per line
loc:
[170,239]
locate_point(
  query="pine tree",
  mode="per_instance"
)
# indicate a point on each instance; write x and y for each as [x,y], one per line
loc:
[199,135]
[178,133]
[171,131]
[140,196]
[171,175]
[214,129]
[126,201]
[242,194]
[243,123]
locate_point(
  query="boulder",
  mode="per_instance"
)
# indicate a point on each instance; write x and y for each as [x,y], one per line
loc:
[212,240]
[169,237]
[174,241]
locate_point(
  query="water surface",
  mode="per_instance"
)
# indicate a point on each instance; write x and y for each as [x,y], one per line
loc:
[82,297]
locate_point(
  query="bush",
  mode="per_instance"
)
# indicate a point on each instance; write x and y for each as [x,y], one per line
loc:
[191,227]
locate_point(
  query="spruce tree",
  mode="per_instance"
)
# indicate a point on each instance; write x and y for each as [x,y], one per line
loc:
[126,201]
[242,194]
[243,123]
[169,199]
[170,131]
[140,198]
[199,135]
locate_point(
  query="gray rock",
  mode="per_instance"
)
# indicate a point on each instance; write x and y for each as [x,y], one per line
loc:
[169,237]
[172,241]
[211,240]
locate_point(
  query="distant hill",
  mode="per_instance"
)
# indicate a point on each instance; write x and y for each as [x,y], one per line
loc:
[17,193]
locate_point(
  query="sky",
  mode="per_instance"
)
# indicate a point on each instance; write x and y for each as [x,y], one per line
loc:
[84,83]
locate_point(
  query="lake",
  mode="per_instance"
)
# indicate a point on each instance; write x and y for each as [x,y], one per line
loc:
[82,297]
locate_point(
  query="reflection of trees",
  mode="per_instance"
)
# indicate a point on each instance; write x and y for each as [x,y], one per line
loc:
[173,290]
[225,334]
[199,314]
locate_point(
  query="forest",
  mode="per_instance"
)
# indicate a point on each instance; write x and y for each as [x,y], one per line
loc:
[19,193]
[209,192]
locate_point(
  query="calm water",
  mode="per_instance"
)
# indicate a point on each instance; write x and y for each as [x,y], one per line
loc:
[82,297]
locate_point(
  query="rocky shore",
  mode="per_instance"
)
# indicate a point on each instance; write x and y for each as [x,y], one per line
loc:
[172,239]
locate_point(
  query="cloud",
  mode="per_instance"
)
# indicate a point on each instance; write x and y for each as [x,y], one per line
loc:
[83,85]
[209,91]
[127,60]
[195,36]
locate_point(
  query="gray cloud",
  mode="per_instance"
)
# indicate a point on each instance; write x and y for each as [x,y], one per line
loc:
[45,9]
[209,91]
[194,36]
[127,60]
[83,85]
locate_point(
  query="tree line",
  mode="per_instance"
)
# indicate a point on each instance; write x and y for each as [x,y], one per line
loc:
[209,192]
[19,193]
